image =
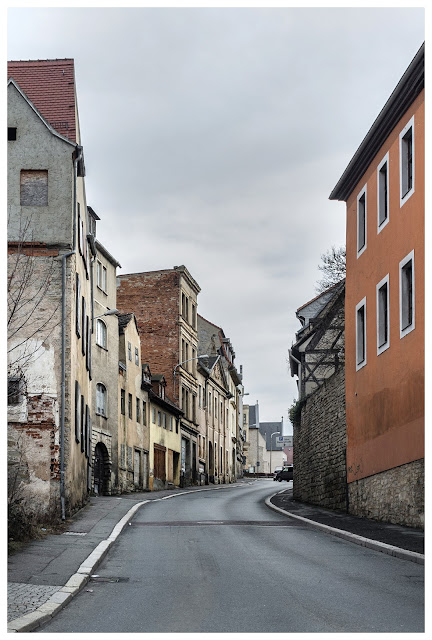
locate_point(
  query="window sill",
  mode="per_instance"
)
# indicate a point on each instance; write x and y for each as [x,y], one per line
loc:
[101,347]
[384,347]
[406,197]
[361,365]
[101,415]
[405,332]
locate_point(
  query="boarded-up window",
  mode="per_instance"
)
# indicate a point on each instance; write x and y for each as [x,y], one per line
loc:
[34,188]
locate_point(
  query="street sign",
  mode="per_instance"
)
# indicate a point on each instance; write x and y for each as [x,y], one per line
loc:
[284,441]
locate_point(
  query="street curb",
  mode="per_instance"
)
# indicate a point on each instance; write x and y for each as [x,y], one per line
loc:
[78,580]
[390,550]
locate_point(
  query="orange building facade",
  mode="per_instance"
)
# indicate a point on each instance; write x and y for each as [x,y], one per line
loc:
[383,187]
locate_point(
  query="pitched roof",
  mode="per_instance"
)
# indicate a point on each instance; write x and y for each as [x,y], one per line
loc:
[50,85]
[322,294]
[408,88]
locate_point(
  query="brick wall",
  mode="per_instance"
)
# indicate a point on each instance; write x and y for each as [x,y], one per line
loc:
[154,299]
[33,458]
[396,495]
[320,447]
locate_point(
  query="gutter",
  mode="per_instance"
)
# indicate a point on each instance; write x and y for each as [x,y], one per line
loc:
[79,156]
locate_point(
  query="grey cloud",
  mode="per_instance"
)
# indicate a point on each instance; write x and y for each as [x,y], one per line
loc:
[213,138]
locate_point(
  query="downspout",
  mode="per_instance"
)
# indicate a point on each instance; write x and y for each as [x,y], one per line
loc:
[63,342]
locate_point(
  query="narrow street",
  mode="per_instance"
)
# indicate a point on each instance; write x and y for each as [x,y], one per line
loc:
[221,561]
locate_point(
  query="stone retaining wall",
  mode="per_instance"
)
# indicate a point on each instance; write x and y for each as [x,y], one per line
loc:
[396,495]
[320,447]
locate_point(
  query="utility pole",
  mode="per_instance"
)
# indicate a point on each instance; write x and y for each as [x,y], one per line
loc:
[257,426]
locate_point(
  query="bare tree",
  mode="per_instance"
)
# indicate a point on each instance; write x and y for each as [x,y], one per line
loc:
[332,267]
[31,316]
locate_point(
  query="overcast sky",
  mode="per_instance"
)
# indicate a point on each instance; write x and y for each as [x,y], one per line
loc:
[213,138]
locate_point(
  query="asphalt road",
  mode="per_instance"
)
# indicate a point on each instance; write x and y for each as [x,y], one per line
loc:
[221,561]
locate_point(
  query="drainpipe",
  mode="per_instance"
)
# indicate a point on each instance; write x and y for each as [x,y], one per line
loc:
[63,342]
[63,384]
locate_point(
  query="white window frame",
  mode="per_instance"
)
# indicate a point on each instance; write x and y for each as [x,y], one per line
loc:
[380,285]
[363,248]
[360,365]
[99,274]
[101,410]
[100,333]
[104,279]
[407,196]
[402,263]
[384,161]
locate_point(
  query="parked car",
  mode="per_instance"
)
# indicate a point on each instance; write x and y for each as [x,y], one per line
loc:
[285,474]
[276,471]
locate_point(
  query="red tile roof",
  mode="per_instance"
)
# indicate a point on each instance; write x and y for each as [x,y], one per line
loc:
[50,85]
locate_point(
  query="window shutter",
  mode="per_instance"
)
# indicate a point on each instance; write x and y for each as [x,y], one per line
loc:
[89,351]
[77,411]
[83,326]
[87,420]
[78,306]
[89,435]
[79,228]
[88,341]
[82,424]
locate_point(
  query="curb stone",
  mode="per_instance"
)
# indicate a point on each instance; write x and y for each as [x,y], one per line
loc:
[78,580]
[397,552]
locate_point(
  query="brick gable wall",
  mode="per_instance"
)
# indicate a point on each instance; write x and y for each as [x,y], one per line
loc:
[154,299]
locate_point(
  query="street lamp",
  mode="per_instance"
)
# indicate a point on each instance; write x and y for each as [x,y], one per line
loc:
[188,360]
[110,312]
[271,447]
[184,361]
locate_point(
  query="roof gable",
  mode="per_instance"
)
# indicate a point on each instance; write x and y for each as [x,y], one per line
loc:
[12,82]
[50,85]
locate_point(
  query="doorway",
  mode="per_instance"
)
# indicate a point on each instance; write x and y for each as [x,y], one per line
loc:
[101,469]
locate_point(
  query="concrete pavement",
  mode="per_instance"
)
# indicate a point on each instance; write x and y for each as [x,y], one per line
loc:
[49,572]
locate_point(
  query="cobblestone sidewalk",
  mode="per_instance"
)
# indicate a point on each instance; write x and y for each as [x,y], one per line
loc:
[25,598]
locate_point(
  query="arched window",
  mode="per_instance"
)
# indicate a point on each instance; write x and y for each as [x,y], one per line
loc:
[101,334]
[101,400]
